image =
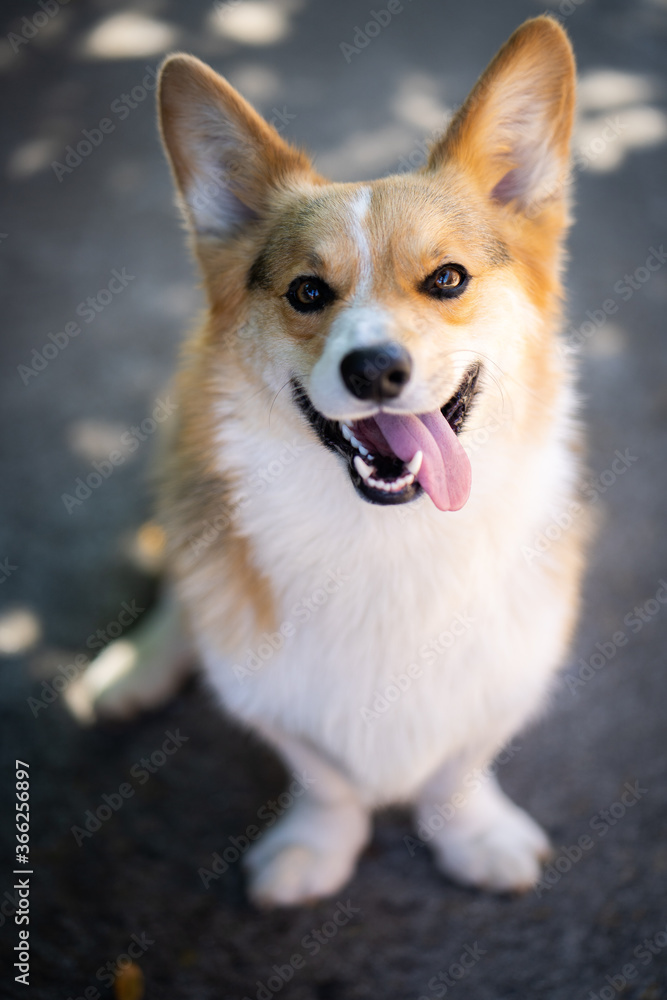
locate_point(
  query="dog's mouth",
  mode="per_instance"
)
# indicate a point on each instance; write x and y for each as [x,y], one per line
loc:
[393,457]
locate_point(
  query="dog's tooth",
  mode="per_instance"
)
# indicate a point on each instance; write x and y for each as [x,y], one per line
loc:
[361,467]
[346,431]
[415,463]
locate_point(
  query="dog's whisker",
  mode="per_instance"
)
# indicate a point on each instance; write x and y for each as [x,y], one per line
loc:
[273,401]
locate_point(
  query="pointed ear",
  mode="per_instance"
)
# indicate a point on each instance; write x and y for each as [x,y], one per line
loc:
[225,158]
[513,132]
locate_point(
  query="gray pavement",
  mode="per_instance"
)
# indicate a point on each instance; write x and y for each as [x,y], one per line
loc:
[599,927]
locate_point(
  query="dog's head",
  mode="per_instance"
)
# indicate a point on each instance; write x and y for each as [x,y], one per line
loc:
[387,307]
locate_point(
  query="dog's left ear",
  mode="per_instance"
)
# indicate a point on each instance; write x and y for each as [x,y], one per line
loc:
[226,160]
[513,132]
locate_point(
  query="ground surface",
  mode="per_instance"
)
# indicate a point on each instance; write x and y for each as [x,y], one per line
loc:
[68,573]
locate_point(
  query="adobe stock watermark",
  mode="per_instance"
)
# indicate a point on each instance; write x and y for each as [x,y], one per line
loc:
[312,943]
[645,954]
[634,620]
[32,24]
[444,811]
[113,801]
[92,138]
[68,672]
[440,984]
[268,814]
[576,336]
[378,20]
[88,310]
[386,697]
[601,823]
[129,441]
[565,9]
[564,520]
[300,612]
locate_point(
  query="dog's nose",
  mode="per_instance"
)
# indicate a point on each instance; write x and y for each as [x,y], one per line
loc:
[377,373]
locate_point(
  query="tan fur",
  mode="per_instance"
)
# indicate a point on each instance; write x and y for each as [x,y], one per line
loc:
[417,222]
[492,199]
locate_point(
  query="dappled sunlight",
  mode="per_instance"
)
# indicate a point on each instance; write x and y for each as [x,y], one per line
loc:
[367,152]
[20,630]
[30,157]
[417,103]
[614,119]
[93,440]
[605,89]
[419,117]
[129,35]
[251,22]
[256,82]
[610,341]
[604,145]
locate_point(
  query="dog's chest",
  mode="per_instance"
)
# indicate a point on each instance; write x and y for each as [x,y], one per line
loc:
[402,635]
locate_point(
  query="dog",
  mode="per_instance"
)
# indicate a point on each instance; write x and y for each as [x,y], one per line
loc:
[375,424]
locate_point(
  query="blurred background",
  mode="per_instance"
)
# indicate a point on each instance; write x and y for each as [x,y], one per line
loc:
[98,290]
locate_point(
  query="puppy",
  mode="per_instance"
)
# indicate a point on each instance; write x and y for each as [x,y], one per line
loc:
[375,425]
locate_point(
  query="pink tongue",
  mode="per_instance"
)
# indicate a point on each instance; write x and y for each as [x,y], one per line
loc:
[445,471]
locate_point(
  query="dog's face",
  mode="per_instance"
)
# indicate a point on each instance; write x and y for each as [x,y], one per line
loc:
[390,307]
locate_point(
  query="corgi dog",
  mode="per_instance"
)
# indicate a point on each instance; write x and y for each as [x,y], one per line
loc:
[375,425]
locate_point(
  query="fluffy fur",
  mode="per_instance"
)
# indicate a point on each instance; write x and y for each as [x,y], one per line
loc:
[306,604]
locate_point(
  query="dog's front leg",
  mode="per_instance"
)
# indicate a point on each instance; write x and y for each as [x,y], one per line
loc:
[477,834]
[312,850]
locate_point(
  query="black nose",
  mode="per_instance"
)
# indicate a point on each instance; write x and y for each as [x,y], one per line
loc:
[376,373]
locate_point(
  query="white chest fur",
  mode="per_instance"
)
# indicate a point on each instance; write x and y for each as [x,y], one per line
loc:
[404,635]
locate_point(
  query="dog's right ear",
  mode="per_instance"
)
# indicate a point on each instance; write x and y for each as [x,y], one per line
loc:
[225,158]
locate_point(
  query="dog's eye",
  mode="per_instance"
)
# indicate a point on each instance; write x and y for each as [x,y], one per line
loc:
[446,282]
[309,294]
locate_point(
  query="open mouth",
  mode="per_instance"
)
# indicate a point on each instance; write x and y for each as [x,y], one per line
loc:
[392,458]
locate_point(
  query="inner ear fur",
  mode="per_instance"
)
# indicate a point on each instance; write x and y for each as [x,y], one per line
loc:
[512,134]
[225,158]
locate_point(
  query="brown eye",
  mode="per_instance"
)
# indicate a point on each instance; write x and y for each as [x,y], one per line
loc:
[446,282]
[449,278]
[309,294]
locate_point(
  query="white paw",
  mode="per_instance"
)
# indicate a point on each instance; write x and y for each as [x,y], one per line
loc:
[310,853]
[500,852]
